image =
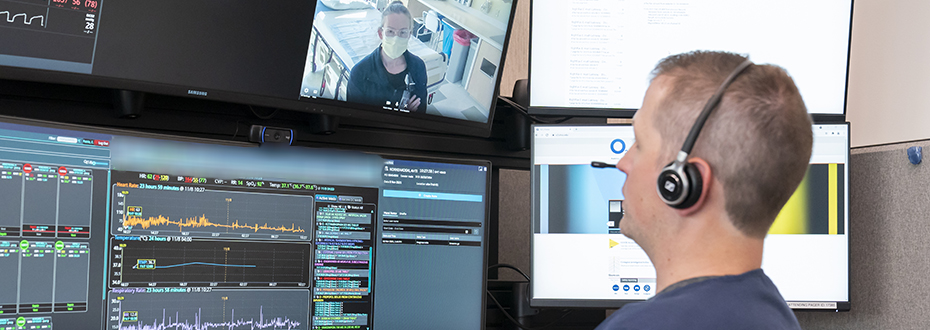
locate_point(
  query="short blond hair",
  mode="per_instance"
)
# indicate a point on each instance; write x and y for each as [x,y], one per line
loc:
[758,141]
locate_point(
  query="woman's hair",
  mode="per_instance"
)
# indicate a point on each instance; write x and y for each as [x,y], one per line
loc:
[396,7]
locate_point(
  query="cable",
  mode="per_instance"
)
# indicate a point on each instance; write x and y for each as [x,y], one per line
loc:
[518,324]
[511,267]
[501,307]
[237,130]
[269,116]
[520,109]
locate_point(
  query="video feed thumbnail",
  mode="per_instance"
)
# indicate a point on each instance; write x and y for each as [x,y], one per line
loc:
[579,199]
[436,57]
[817,207]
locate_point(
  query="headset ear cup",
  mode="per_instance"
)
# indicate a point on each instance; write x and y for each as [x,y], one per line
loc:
[697,185]
[669,186]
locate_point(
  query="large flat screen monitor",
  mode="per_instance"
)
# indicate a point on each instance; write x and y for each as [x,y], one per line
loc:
[453,59]
[593,58]
[290,55]
[116,230]
[577,210]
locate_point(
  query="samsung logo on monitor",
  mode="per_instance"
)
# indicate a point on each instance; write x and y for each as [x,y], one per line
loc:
[198,93]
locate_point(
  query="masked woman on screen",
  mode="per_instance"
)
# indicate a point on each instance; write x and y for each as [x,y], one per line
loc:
[391,76]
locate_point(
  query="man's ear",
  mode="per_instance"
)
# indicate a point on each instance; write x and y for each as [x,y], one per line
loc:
[707,178]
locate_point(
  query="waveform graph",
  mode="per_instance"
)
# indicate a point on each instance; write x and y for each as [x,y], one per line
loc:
[63,30]
[140,309]
[208,263]
[212,214]
[24,14]
[77,17]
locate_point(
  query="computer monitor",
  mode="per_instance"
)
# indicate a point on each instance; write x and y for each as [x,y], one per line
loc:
[580,258]
[289,55]
[122,230]
[451,70]
[593,58]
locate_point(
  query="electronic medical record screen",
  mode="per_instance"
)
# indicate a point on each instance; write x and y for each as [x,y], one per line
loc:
[117,230]
[431,244]
[446,64]
[594,57]
[577,210]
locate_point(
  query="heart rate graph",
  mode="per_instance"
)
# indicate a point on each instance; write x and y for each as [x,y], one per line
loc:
[202,221]
[211,213]
[27,18]
[227,310]
[138,263]
[63,30]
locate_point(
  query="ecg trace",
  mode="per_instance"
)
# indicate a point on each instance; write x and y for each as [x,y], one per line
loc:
[11,18]
[202,221]
[199,324]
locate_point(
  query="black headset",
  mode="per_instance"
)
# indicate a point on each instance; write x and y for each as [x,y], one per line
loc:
[680,182]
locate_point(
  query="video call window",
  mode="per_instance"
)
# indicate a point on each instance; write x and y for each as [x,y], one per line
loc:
[416,56]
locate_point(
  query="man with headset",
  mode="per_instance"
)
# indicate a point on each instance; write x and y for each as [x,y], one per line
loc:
[703,217]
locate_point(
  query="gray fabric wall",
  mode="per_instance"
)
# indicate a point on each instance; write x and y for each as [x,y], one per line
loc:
[889,228]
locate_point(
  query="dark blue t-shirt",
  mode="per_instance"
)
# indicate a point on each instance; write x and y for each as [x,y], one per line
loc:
[746,301]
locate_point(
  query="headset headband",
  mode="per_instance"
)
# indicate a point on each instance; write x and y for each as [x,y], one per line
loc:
[708,108]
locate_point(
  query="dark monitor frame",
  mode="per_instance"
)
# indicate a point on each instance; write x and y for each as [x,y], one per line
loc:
[314,106]
[386,156]
[629,112]
[841,306]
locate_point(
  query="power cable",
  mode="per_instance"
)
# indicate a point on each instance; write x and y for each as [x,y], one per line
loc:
[522,110]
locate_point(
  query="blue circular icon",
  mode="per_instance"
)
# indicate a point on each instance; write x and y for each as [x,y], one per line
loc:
[613,146]
[647,287]
[636,288]
[626,287]
[616,287]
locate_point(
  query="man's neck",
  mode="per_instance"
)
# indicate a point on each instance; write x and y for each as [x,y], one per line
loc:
[705,252]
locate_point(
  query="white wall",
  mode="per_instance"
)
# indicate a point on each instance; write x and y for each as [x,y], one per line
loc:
[516,62]
[889,76]
[888,99]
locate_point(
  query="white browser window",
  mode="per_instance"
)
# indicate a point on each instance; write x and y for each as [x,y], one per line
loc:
[599,53]
[580,257]
[806,253]
[578,251]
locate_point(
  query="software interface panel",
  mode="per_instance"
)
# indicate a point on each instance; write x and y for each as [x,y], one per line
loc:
[123,232]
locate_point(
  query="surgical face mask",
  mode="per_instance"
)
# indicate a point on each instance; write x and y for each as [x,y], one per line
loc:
[394,47]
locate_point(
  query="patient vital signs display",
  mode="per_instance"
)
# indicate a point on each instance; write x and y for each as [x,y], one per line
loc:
[111,231]
[61,30]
